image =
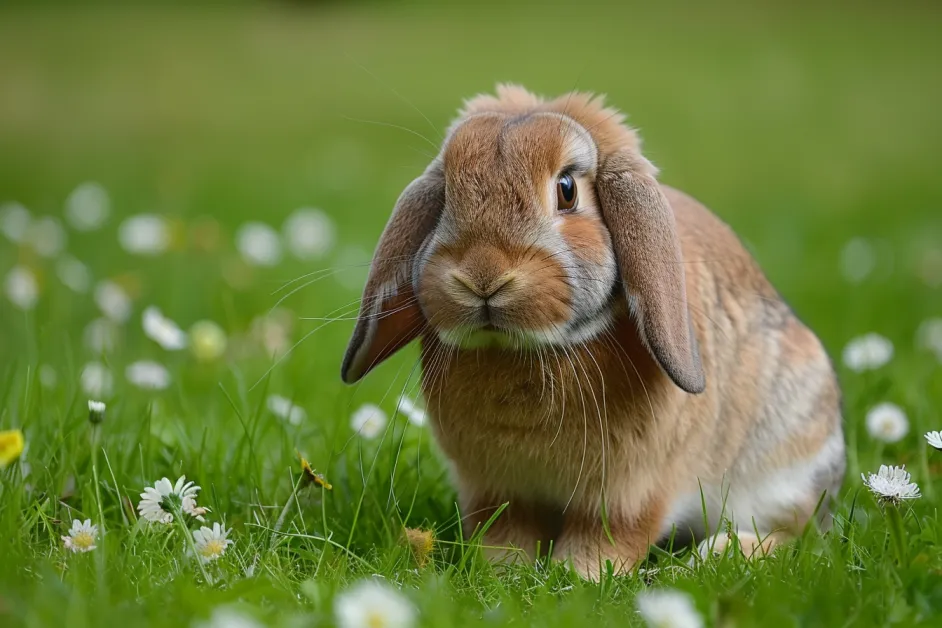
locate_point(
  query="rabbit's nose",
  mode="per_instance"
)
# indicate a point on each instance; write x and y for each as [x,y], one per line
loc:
[483,290]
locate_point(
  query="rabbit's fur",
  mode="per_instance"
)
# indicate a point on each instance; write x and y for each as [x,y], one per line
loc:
[615,367]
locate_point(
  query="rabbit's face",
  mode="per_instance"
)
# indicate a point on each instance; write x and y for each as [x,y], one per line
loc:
[521,255]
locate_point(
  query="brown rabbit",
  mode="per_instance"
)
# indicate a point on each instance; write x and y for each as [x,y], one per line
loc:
[599,351]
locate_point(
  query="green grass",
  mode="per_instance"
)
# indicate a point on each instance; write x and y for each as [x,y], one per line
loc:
[802,127]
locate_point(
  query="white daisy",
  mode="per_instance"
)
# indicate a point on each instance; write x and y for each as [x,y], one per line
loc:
[934,439]
[14,221]
[162,330]
[148,374]
[88,206]
[96,411]
[668,608]
[101,335]
[273,332]
[211,543]
[858,259]
[144,234]
[207,341]
[113,301]
[73,274]
[887,422]
[96,380]
[228,617]
[82,536]
[48,376]
[371,604]
[21,288]
[309,233]
[259,244]
[929,336]
[870,351]
[414,413]
[284,408]
[368,421]
[46,236]
[158,501]
[891,484]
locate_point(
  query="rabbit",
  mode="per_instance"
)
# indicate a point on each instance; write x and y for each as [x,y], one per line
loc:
[601,357]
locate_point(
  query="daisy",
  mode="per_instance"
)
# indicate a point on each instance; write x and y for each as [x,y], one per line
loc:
[309,233]
[158,501]
[870,351]
[148,374]
[934,439]
[113,301]
[273,332]
[929,336]
[421,542]
[887,422]
[101,335]
[96,379]
[21,288]
[46,236]
[284,408]
[368,421]
[211,543]
[162,330]
[82,536]
[371,604]
[11,446]
[73,274]
[414,413]
[14,221]
[891,484]
[227,617]
[88,206]
[668,608]
[96,411]
[258,244]
[858,259]
[48,376]
[207,341]
[144,234]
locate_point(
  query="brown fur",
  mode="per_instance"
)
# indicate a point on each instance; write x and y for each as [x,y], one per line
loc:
[702,378]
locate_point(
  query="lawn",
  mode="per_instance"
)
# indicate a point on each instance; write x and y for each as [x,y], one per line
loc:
[812,130]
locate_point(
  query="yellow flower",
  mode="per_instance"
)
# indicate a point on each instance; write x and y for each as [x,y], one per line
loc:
[311,476]
[422,542]
[11,446]
[207,341]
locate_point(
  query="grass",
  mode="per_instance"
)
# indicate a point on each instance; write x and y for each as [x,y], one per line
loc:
[803,126]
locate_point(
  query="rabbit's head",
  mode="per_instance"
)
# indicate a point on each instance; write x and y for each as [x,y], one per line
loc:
[533,220]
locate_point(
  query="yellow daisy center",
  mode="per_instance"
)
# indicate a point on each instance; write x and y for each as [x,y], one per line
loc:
[212,549]
[375,619]
[83,540]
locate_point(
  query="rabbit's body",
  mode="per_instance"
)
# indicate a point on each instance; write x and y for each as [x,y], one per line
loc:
[549,390]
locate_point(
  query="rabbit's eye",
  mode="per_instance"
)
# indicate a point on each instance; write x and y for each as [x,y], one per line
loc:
[566,193]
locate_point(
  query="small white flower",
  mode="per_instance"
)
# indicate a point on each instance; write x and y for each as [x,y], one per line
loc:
[228,617]
[273,332]
[48,376]
[284,408]
[929,336]
[14,221]
[870,351]
[934,439]
[148,374]
[371,604]
[309,233]
[157,501]
[73,274]
[207,341]
[96,411]
[144,234]
[368,421]
[88,206]
[887,422]
[858,259]
[46,236]
[21,288]
[101,335]
[259,244]
[891,484]
[211,543]
[96,380]
[82,536]
[113,301]
[414,413]
[162,330]
[668,608]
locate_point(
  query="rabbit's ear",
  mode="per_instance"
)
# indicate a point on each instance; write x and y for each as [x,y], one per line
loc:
[390,317]
[647,249]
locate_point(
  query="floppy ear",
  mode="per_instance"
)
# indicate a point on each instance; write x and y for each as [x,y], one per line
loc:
[390,317]
[649,258]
